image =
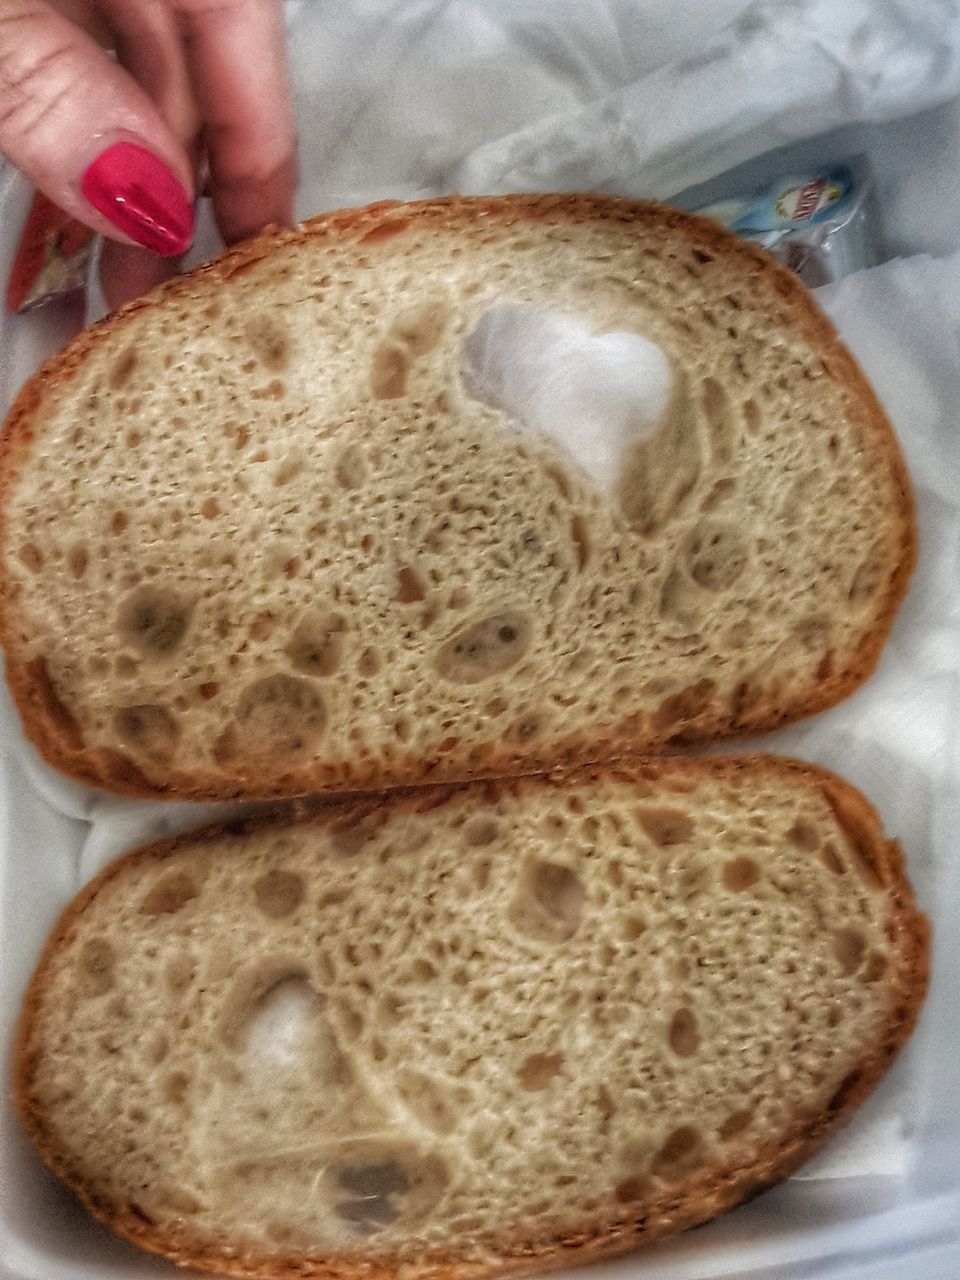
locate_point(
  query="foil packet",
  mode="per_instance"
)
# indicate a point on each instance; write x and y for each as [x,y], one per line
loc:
[52,258]
[822,224]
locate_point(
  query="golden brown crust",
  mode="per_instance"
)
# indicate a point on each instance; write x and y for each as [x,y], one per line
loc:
[116,773]
[699,1199]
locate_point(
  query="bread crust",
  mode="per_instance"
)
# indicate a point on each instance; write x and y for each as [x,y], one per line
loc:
[48,724]
[698,1199]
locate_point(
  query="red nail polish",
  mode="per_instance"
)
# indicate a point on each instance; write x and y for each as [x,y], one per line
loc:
[141,196]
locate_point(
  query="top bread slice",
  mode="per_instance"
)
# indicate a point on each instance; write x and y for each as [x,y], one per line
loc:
[258,540]
[456,1032]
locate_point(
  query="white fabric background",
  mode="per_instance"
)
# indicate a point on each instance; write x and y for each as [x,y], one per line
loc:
[399,98]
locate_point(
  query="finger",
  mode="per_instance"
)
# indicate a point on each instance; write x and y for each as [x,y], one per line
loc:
[127,271]
[148,42]
[87,135]
[86,15]
[237,52]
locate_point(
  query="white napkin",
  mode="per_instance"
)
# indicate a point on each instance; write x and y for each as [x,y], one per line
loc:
[402,98]
[781,72]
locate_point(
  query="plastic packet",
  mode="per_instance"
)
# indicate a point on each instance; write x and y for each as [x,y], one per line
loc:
[820,224]
[52,257]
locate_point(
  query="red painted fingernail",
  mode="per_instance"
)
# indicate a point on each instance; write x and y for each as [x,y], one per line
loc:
[142,197]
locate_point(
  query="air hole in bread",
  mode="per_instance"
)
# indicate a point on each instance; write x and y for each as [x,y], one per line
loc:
[676,601]
[684,1034]
[30,557]
[349,836]
[718,494]
[148,730]
[269,340]
[831,858]
[368,661]
[634,1189]
[170,894]
[549,904]
[389,371]
[633,927]
[719,416]
[430,1100]
[176,1200]
[123,368]
[153,620]
[401,729]
[226,745]
[849,947]
[283,1027]
[118,522]
[175,1086]
[389,1010]
[740,874]
[580,537]
[180,972]
[423,971]
[379,1184]
[278,893]
[876,966]
[538,1070]
[410,586]
[735,1123]
[419,328]
[78,557]
[661,473]
[156,1049]
[97,964]
[679,1153]
[680,708]
[715,554]
[753,416]
[480,831]
[527,727]
[280,715]
[814,633]
[804,836]
[870,576]
[665,826]
[350,469]
[289,468]
[481,873]
[351,1019]
[316,646]
[487,648]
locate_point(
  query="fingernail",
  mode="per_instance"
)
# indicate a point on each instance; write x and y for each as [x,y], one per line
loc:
[141,196]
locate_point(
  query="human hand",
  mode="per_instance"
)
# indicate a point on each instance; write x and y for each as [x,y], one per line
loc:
[197,85]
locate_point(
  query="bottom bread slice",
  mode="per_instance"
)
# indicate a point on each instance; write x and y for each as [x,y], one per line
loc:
[462,1031]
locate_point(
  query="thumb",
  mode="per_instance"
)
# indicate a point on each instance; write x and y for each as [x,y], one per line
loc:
[87,135]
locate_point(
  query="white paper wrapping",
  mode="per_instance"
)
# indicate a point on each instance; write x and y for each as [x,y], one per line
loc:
[400,98]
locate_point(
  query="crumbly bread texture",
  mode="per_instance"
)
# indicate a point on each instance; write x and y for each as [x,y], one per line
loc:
[257,540]
[463,1031]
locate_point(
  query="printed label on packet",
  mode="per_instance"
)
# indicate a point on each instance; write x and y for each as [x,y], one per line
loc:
[819,224]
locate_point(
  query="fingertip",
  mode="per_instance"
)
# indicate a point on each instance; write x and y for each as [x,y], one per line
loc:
[127,271]
[244,206]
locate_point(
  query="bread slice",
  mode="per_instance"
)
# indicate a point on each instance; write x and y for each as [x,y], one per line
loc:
[258,540]
[464,1031]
